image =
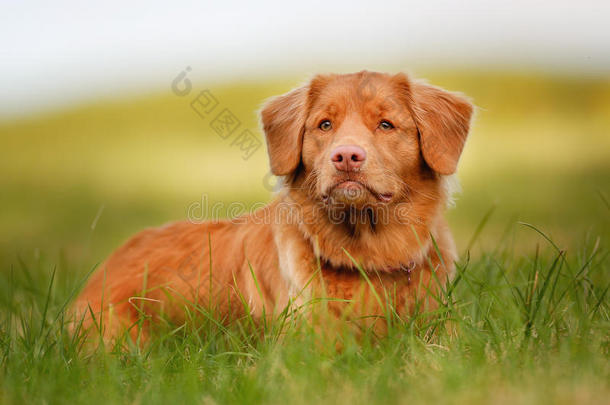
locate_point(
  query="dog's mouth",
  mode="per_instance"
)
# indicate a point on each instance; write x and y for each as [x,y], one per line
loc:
[354,192]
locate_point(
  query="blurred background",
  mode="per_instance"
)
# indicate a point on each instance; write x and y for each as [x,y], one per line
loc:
[99,137]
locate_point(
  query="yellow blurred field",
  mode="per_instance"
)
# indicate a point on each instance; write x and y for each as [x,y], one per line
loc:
[81,180]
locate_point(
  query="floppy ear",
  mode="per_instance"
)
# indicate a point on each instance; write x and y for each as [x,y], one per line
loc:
[443,120]
[284,122]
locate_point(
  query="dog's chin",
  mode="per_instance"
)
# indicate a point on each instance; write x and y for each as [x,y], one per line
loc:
[353,195]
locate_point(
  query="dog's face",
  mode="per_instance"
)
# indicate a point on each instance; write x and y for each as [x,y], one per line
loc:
[365,138]
[359,140]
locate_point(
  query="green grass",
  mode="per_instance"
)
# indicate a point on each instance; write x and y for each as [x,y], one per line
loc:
[512,328]
[526,320]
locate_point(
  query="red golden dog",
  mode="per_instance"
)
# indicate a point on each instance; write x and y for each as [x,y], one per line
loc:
[364,160]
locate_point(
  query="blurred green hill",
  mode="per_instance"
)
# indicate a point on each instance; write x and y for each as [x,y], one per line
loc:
[76,183]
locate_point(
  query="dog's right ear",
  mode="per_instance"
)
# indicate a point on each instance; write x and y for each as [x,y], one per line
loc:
[283,120]
[443,120]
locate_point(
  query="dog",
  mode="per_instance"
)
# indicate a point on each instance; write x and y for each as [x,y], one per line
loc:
[365,160]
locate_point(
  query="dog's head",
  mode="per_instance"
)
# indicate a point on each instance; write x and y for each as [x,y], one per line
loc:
[364,138]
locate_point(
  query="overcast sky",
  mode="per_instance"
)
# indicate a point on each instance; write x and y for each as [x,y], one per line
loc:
[58,52]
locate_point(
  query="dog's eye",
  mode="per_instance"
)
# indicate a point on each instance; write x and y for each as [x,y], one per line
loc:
[386,125]
[325,125]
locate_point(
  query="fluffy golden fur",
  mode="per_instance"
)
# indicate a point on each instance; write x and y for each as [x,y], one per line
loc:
[380,208]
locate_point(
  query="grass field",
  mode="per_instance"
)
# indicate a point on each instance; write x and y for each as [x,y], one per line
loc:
[526,321]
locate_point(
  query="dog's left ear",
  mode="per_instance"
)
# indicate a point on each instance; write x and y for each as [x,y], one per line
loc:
[443,121]
[283,120]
